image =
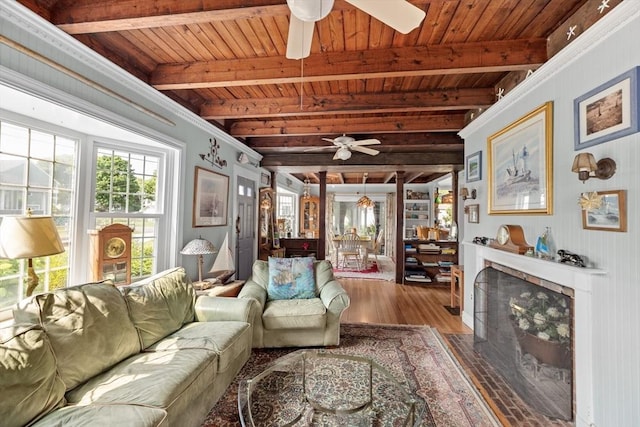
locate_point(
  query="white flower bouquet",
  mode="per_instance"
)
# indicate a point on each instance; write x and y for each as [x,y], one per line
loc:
[542,314]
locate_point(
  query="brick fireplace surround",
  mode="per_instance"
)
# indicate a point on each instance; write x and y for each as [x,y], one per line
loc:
[581,280]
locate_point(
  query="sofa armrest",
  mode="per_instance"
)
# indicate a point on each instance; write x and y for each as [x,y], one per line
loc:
[334,297]
[252,290]
[211,309]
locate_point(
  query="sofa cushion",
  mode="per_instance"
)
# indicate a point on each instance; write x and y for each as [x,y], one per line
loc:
[150,379]
[291,278]
[294,314]
[228,340]
[88,326]
[29,383]
[160,304]
[105,415]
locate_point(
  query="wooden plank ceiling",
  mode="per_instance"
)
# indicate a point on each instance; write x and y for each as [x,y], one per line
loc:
[225,60]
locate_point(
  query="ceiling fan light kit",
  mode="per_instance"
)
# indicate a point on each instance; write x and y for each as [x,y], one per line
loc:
[343,153]
[310,10]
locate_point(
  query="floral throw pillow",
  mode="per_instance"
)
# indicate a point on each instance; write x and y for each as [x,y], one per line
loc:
[291,278]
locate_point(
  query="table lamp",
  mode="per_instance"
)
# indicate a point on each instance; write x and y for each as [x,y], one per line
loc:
[199,247]
[29,237]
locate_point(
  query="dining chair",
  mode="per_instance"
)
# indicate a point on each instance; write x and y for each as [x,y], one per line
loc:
[349,251]
[376,248]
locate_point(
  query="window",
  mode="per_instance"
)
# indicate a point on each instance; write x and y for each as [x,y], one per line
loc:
[126,192]
[37,172]
[286,212]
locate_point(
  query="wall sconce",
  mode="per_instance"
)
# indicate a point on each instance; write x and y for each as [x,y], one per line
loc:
[243,159]
[464,193]
[586,167]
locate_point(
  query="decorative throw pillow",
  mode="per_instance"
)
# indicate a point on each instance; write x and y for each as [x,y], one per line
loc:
[291,278]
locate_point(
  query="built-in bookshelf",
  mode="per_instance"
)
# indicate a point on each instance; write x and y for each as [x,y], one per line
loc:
[429,261]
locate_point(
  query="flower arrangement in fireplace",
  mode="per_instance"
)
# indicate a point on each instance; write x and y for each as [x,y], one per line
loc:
[542,314]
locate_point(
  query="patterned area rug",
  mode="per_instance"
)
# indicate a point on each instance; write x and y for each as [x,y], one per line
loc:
[385,269]
[415,355]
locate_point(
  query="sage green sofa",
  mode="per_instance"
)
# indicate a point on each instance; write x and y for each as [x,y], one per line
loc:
[296,322]
[149,354]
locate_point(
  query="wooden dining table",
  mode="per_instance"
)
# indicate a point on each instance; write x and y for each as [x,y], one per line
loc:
[365,243]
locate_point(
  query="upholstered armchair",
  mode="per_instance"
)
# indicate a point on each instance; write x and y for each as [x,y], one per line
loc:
[299,322]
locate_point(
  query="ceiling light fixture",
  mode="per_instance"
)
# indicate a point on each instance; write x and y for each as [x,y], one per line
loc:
[343,153]
[364,201]
[306,192]
[310,10]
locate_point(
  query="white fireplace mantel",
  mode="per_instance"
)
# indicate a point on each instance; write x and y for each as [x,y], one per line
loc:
[581,280]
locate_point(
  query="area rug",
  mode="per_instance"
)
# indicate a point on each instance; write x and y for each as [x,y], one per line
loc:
[384,270]
[415,355]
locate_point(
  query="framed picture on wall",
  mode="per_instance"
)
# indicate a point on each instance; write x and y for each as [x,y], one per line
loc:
[610,216]
[520,165]
[607,112]
[473,167]
[474,213]
[210,198]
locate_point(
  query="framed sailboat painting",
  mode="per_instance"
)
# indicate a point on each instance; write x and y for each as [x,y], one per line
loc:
[520,165]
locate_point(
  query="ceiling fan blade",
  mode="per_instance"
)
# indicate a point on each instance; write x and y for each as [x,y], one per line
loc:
[328,147]
[364,142]
[333,141]
[300,38]
[400,15]
[365,150]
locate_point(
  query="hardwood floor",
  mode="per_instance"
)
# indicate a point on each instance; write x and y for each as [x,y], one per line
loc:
[383,302]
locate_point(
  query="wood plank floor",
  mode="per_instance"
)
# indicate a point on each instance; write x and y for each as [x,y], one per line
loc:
[383,302]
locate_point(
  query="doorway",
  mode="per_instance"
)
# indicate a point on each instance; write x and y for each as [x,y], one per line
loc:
[245,227]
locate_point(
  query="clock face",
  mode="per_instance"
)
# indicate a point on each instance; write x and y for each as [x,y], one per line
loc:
[503,235]
[115,247]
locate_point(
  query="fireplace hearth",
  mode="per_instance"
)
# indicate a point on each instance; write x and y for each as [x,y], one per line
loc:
[522,327]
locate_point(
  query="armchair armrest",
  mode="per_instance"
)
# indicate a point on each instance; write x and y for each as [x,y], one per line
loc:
[251,290]
[334,297]
[210,309]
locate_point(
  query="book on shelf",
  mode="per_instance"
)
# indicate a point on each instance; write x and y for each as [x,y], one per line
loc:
[448,251]
[429,264]
[423,279]
[445,263]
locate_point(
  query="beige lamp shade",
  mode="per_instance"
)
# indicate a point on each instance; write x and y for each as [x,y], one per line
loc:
[584,162]
[29,237]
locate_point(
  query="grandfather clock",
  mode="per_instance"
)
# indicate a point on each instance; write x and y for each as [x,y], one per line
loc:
[110,254]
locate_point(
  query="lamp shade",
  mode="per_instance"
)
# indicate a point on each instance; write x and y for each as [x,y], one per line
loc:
[584,162]
[198,246]
[29,237]
[343,153]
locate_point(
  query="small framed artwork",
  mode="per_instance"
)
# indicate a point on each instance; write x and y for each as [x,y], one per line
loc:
[610,216]
[473,166]
[607,112]
[520,165]
[210,198]
[474,213]
[265,179]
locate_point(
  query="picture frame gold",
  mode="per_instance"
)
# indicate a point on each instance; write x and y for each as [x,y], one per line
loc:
[610,216]
[520,160]
[210,198]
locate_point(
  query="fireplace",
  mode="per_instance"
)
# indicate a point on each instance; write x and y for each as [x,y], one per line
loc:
[564,279]
[522,327]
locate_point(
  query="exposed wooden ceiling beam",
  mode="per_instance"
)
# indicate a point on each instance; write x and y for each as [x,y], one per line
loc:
[391,162]
[457,58]
[358,103]
[121,15]
[366,125]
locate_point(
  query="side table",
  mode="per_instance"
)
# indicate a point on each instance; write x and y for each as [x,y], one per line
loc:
[457,287]
[231,289]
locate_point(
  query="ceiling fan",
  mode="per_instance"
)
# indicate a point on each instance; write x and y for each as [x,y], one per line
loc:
[346,144]
[400,15]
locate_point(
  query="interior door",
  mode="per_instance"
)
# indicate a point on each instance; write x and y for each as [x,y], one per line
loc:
[245,227]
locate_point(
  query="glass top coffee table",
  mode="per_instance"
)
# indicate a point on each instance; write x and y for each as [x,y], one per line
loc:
[310,388]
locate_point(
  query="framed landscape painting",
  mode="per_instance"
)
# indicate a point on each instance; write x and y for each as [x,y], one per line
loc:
[610,216]
[474,167]
[607,112]
[520,165]
[210,198]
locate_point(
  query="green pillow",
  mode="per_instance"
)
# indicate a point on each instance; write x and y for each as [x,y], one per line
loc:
[291,278]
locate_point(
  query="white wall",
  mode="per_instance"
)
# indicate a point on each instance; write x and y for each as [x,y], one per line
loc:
[605,51]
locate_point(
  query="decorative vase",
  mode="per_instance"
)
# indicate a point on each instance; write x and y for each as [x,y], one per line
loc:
[553,353]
